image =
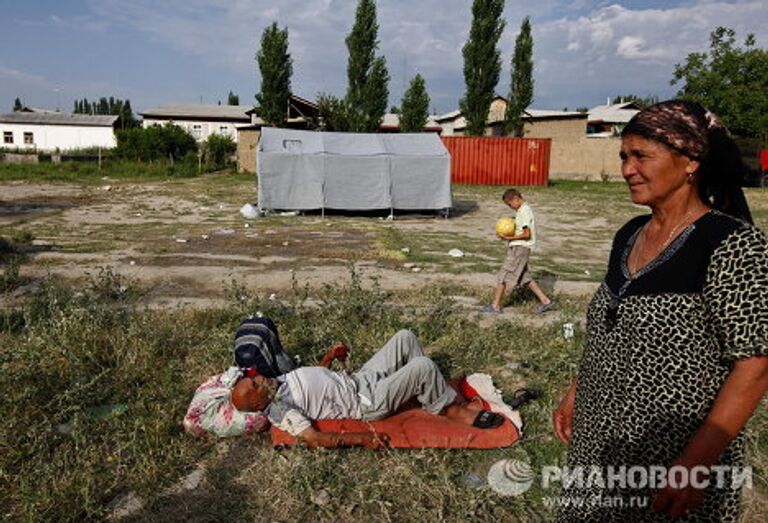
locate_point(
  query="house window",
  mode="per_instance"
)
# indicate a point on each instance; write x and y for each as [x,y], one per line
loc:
[224,130]
[29,139]
[8,137]
[197,131]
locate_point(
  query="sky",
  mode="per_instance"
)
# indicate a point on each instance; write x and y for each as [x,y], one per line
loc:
[156,52]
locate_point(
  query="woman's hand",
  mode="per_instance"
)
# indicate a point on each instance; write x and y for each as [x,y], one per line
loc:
[562,418]
[683,501]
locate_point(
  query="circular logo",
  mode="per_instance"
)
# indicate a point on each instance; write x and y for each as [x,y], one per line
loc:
[510,477]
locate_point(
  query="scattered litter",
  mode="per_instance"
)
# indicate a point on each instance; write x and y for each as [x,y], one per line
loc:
[327,224]
[409,265]
[193,479]
[406,250]
[251,234]
[270,231]
[568,331]
[122,290]
[247,225]
[512,365]
[285,244]
[587,273]
[416,269]
[204,236]
[204,208]
[225,230]
[137,214]
[456,253]
[181,240]
[289,213]
[474,481]
[320,498]
[221,206]
[273,296]
[125,505]
[132,262]
[104,178]
[106,188]
[249,211]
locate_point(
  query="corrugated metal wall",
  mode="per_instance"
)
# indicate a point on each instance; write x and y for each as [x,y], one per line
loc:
[498,161]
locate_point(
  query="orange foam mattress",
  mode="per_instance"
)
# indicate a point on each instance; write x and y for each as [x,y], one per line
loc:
[417,429]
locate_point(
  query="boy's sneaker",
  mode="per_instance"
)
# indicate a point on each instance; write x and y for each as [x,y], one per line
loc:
[544,307]
[491,310]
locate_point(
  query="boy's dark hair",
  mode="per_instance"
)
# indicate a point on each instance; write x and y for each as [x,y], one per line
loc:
[511,193]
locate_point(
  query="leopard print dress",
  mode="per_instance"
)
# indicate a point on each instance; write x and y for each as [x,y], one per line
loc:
[659,346]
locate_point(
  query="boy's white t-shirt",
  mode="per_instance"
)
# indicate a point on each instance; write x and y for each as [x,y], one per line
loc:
[524,218]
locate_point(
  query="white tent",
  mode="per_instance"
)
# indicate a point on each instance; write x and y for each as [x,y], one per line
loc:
[305,170]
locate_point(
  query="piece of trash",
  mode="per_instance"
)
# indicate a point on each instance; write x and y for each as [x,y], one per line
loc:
[122,289]
[273,296]
[456,253]
[405,250]
[104,178]
[416,269]
[285,244]
[132,262]
[204,236]
[225,230]
[137,214]
[181,240]
[251,234]
[568,331]
[320,498]
[247,225]
[409,265]
[474,481]
[289,213]
[512,365]
[194,479]
[327,224]
[270,231]
[587,273]
[248,211]
[221,206]
[107,188]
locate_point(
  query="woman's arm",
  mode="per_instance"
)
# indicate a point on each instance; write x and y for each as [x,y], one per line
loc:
[738,398]
[562,418]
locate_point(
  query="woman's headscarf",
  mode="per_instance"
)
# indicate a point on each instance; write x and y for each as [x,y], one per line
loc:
[693,131]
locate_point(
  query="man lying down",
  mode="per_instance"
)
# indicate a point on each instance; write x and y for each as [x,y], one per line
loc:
[398,372]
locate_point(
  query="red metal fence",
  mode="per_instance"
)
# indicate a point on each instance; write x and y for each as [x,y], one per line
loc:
[498,161]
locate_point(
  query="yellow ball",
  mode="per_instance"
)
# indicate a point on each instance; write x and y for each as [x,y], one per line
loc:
[505,226]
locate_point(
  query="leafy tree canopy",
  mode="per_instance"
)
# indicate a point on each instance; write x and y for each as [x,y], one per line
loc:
[276,67]
[521,84]
[415,106]
[730,81]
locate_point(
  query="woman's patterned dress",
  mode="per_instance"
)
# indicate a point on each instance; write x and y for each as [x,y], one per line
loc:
[660,345]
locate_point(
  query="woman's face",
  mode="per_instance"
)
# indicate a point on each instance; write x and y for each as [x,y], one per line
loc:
[653,171]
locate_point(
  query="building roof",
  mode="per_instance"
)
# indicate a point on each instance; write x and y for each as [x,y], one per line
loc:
[530,114]
[55,118]
[392,121]
[614,113]
[207,111]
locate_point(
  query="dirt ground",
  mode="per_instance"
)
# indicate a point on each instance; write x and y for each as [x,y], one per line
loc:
[185,240]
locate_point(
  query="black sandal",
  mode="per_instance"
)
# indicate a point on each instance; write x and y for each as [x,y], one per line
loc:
[523,396]
[488,420]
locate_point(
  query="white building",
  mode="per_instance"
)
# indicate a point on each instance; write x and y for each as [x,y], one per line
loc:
[52,130]
[200,120]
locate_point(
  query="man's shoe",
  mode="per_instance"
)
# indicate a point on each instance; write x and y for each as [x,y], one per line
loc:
[544,307]
[491,310]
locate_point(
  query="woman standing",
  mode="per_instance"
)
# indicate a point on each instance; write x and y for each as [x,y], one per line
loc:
[676,358]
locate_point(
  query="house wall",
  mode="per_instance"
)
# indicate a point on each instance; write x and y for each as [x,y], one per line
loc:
[62,137]
[200,129]
[246,150]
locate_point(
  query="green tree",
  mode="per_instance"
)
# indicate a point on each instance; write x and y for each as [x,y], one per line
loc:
[521,84]
[17,105]
[334,113]
[367,75]
[729,80]
[218,151]
[233,99]
[415,106]
[276,68]
[169,142]
[482,63]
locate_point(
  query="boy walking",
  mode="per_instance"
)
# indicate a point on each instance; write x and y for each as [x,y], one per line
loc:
[514,271]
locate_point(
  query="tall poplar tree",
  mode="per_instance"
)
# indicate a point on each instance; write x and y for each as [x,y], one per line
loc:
[17,105]
[276,68]
[367,75]
[415,106]
[233,99]
[482,63]
[521,83]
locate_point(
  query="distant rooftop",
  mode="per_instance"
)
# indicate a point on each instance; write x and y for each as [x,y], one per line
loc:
[226,112]
[392,121]
[44,117]
[614,113]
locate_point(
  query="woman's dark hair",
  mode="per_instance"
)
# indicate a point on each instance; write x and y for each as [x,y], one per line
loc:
[689,129]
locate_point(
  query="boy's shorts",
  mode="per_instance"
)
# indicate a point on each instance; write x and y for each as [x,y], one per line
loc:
[514,270]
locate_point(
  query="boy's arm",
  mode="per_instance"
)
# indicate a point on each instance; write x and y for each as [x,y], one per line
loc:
[525,235]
